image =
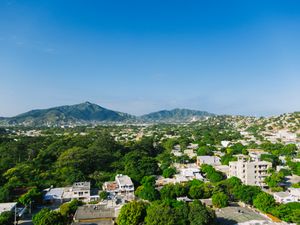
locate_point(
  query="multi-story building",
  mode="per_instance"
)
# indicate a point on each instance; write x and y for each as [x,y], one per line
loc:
[250,171]
[81,190]
[122,184]
[125,183]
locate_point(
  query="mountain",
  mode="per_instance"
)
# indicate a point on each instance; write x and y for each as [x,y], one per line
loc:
[175,115]
[70,114]
[89,113]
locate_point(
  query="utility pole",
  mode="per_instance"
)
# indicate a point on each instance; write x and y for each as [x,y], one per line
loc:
[15,223]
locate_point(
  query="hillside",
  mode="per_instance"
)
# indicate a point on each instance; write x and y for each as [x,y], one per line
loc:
[70,114]
[175,115]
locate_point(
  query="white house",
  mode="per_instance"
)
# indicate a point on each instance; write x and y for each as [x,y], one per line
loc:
[125,183]
[210,160]
[54,194]
[190,153]
[295,192]
[122,184]
[284,197]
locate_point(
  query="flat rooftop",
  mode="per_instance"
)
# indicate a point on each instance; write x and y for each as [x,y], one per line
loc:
[124,180]
[8,206]
[93,212]
[235,214]
[81,186]
[103,222]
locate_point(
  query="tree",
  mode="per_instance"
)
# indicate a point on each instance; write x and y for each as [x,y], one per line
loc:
[200,215]
[103,195]
[138,165]
[181,212]
[7,218]
[287,211]
[246,193]
[160,213]
[132,213]
[220,200]
[33,195]
[168,192]
[274,179]
[169,172]
[196,191]
[227,158]
[68,209]
[211,173]
[48,217]
[204,150]
[4,194]
[264,202]
[147,191]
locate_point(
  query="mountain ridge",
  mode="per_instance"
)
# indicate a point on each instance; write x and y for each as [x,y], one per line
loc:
[88,112]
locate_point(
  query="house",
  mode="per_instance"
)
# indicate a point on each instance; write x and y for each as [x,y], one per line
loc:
[125,183]
[122,185]
[94,214]
[191,173]
[193,146]
[209,160]
[80,191]
[222,168]
[249,171]
[161,181]
[54,195]
[111,187]
[284,197]
[190,153]
[255,154]
[295,192]
[7,207]
[225,144]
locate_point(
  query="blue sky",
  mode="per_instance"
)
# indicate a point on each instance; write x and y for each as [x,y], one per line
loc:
[226,57]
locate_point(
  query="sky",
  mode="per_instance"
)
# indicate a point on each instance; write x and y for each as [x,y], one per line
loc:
[225,57]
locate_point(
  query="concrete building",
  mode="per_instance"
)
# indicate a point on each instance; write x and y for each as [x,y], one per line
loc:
[209,160]
[295,192]
[122,184]
[284,197]
[255,154]
[125,183]
[54,195]
[81,190]
[251,172]
[190,153]
[94,214]
[7,207]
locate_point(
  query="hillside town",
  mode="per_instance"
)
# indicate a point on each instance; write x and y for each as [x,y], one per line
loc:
[240,175]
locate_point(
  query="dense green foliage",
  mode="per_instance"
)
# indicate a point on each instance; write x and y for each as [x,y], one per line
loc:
[48,217]
[220,200]
[133,213]
[32,196]
[211,174]
[147,190]
[178,213]
[68,209]
[7,218]
[264,202]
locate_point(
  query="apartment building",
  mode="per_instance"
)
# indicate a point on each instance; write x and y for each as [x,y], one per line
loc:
[250,171]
